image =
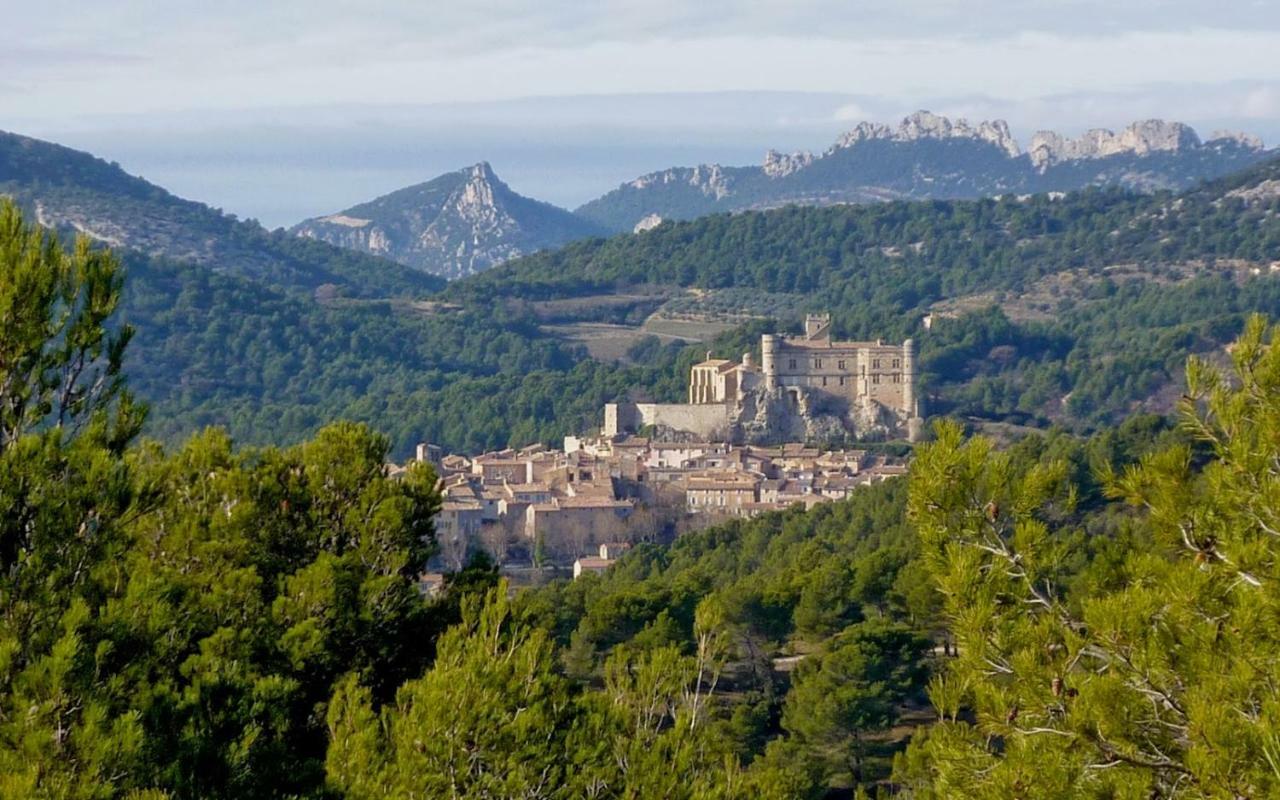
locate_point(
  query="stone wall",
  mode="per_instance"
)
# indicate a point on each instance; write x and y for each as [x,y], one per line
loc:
[707,422]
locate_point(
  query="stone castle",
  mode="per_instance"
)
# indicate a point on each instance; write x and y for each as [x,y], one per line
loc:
[806,388]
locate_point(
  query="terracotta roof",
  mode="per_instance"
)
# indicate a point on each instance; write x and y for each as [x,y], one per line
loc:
[727,480]
[591,502]
[459,507]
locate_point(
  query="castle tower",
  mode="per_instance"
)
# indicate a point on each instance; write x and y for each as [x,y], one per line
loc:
[911,404]
[817,326]
[909,378]
[769,360]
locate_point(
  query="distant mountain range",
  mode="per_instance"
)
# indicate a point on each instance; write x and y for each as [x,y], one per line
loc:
[455,225]
[930,157]
[468,221]
[74,192]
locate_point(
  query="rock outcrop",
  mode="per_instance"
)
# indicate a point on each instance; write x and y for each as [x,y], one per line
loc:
[791,414]
[647,224]
[1141,138]
[780,165]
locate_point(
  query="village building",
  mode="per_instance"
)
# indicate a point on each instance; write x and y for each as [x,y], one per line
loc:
[567,527]
[614,550]
[590,565]
[721,492]
[458,522]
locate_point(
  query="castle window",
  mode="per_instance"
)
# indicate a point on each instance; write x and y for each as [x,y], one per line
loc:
[824,381]
[897,362]
[791,364]
[817,363]
[875,378]
[897,379]
[875,363]
[840,365]
[842,380]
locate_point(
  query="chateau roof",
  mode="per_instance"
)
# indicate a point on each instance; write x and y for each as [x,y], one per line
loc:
[726,480]
[459,507]
[719,364]
[796,342]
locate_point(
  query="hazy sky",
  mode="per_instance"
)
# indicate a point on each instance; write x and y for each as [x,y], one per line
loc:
[327,100]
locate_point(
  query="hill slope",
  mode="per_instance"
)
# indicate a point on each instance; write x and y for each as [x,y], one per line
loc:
[930,156]
[454,225]
[72,191]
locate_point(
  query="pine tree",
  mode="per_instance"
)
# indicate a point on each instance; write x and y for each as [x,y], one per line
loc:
[1159,683]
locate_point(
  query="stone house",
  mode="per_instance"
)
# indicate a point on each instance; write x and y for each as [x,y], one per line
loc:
[568,527]
[721,492]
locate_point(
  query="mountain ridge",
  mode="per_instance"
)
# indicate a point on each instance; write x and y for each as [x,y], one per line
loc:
[930,156]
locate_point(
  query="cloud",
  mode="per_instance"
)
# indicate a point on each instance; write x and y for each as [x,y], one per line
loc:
[1262,103]
[850,112]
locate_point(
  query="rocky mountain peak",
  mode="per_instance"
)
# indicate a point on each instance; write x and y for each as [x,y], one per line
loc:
[481,171]
[457,224]
[1141,138]
[477,195]
[928,125]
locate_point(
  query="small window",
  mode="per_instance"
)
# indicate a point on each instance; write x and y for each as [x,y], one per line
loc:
[875,378]
[875,363]
[897,378]
[840,365]
[897,362]
[791,364]
[824,380]
[817,363]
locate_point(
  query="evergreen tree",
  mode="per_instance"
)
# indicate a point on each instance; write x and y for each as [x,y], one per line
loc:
[1156,682]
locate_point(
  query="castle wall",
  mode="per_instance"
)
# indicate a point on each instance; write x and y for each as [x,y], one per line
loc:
[710,421]
[851,371]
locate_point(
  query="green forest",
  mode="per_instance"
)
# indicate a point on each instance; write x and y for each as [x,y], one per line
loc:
[1068,617]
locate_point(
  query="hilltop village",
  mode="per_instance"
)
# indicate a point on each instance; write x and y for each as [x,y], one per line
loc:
[657,470]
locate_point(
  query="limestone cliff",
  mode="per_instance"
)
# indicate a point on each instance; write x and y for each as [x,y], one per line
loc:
[1140,138]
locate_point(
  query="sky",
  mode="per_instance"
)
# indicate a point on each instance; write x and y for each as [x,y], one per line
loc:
[282,110]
